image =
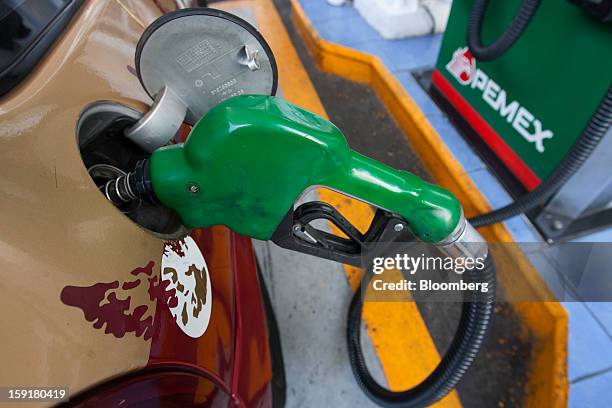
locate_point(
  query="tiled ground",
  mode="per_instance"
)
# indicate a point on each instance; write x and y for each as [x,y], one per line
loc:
[590,340]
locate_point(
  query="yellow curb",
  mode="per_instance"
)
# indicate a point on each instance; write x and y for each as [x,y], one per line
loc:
[546,322]
[403,344]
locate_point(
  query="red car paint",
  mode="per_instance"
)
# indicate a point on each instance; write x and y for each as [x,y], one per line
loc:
[229,364]
[242,359]
[252,347]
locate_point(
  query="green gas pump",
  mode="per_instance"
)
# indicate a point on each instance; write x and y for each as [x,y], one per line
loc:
[532,80]
[531,102]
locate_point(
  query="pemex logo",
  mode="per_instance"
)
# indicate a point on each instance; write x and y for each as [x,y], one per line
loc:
[462,67]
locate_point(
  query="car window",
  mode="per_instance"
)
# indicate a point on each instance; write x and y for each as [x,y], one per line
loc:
[28,28]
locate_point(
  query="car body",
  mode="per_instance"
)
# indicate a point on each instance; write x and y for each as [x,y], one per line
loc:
[85,302]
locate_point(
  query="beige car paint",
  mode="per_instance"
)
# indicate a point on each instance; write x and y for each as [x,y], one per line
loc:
[143,11]
[55,226]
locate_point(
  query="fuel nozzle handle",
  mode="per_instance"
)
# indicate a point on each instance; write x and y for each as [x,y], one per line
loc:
[249,159]
[431,212]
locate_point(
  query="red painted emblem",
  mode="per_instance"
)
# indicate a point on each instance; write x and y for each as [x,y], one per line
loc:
[108,304]
[462,65]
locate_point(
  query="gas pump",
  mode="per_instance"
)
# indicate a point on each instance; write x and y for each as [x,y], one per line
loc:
[537,97]
[250,156]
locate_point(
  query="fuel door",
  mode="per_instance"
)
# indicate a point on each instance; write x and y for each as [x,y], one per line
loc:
[189,61]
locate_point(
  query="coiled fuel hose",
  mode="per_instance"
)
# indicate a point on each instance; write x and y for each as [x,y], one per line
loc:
[471,330]
[507,39]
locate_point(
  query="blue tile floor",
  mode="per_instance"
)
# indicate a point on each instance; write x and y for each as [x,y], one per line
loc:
[590,338]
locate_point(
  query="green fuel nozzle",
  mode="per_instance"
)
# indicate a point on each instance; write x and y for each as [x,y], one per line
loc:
[249,159]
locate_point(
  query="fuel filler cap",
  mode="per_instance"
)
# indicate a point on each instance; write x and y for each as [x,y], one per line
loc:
[204,56]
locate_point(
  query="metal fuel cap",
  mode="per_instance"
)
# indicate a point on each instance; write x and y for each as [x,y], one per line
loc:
[204,56]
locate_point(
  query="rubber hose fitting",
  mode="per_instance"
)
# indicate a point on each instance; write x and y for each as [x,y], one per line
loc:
[133,186]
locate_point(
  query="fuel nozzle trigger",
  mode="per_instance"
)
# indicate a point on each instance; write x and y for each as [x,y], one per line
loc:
[296,232]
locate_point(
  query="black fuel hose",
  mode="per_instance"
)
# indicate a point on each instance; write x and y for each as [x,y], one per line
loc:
[473,326]
[595,130]
[507,39]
